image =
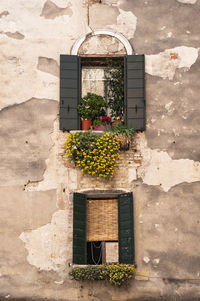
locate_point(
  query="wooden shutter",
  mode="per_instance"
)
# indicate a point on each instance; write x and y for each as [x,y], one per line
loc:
[126,235]
[69,92]
[79,229]
[134,92]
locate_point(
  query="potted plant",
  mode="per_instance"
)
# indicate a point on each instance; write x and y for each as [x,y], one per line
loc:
[101,123]
[91,106]
[123,133]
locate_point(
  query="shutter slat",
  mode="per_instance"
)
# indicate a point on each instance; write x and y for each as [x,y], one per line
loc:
[135,113]
[126,234]
[69,92]
[65,122]
[68,58]
[136,66]
[79,228]
[136,58]
[140,113]
[131,103]
[136,93]
[69,112]
[134,123]
[136,74]
[65,74]
[68,66]
[136,83]
[68,83]
[71,101]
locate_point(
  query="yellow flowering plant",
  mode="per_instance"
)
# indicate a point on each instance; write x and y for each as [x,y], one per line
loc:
[95,154]
[117,274]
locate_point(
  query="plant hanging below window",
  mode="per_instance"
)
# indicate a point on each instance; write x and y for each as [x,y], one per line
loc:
[95,154]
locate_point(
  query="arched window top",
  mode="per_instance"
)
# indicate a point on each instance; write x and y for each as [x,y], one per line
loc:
[123,43]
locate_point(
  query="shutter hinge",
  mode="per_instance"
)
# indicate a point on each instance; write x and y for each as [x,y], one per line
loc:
[136,108]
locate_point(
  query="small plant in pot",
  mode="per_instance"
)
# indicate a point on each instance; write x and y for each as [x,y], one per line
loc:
[124,134]
[101,123]
[90,108]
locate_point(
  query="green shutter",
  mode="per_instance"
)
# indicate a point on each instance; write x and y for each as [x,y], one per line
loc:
[126,235]
[135,92]
[69,92]
[79,229]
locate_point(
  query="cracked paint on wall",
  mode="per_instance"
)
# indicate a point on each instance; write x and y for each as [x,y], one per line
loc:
[29,66]
[52,11]
[164,64]
[126,24]
[55,173]
[47,246]
[159,169]
[14,35]
[156,168]
[23,44]
[120,21]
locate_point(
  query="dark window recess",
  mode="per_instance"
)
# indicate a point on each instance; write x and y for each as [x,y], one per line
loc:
[94,252]
[70,90]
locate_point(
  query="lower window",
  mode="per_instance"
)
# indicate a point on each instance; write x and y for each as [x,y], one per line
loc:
[103,229]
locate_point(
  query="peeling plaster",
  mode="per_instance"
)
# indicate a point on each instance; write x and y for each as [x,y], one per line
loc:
[165,63]
[25,140]
[126,24]
[47,246]
[51,10]
[98,15]
[187,1]
[4,13]
[56,173]
[14,35]
[37,43]
[159,169]
[48,65]
[20,70]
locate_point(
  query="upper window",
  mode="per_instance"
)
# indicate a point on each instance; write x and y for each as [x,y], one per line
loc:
[72,71]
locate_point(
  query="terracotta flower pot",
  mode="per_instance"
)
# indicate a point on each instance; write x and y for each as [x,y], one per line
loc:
[99,128]
[86,124]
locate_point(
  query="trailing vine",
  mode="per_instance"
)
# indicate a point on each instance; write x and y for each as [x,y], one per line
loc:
[114,75]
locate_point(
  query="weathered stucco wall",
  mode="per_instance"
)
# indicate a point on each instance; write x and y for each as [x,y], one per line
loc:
[164,172]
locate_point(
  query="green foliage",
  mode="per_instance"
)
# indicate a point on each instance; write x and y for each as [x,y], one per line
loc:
[97,122]
[121,129]
[116,274]
[92,106]
[114,76]
[123,134]
[95,154]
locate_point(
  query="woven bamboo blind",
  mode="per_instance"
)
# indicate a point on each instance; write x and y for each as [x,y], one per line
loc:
[102,220]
